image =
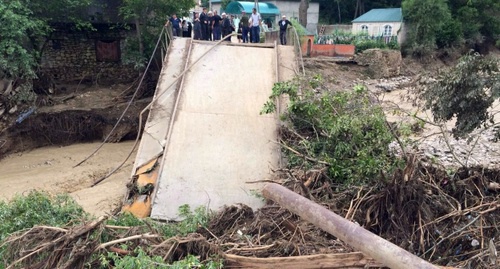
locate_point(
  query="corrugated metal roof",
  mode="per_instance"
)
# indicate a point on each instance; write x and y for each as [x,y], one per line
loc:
[264,8]
[381,15]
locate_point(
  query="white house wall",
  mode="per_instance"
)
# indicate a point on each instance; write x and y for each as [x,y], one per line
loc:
[376,28]
[291,10]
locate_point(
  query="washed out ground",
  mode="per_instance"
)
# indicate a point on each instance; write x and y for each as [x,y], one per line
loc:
[34,158]
[51,169]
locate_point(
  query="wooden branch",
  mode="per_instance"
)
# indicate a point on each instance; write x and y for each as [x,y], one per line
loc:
[342,260]
[70,236]
[302,155]
[359,238]
[120,251]
[139,236]
[253,249]
[117,227]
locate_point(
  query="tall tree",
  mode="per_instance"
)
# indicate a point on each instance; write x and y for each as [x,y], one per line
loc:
[424,19]
[479,19]
[25,26]
[147,17]
[224,3]
[303,7]
[360,8]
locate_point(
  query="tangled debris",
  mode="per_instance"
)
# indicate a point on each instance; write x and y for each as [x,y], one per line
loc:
[450,220]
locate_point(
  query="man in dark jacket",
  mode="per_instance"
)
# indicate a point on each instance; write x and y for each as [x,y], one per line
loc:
[283,24]
[216,29]
[244,28]
[227,28]
[204,24]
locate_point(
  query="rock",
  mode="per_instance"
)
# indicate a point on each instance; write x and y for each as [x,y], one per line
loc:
[381,63]
[2,110]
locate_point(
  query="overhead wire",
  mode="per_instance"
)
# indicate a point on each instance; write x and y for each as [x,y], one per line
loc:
[128,104]
[181,75]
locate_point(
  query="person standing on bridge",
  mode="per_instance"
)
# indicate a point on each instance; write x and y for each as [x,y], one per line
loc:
[197,27]
[204,24]
[210,29]
[256,22]
[283,24]
[216,22]
[244,27]
[176,25]
[227,29]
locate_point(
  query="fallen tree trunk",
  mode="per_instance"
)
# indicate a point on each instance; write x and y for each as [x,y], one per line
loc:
[342,260]
[370,244]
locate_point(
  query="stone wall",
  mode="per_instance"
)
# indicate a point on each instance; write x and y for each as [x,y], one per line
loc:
[73,56]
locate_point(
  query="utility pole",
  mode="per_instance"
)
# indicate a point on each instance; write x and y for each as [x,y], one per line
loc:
[257,6]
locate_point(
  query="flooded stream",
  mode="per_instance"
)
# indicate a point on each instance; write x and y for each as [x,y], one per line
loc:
[51,169]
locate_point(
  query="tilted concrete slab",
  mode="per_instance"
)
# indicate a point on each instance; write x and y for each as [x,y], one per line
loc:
[156,128]
[219,142]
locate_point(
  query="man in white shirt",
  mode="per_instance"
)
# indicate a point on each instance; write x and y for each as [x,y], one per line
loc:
[255,27]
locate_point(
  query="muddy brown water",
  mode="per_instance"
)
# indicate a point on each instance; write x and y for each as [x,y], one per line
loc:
[51,169]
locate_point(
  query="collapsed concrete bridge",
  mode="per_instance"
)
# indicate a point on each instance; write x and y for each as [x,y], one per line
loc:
[205,140]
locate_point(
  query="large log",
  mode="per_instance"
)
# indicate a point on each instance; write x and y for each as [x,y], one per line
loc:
[342,260]
[361,239]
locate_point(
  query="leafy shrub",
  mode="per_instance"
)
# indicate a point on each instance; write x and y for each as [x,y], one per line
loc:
[143,260]
[37,208]
[343,129]
[191,223]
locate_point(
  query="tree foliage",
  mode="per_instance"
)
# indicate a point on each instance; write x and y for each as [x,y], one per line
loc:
[24,26]
[466,92]
[424,19]
[479,19]
[149,17]
[343,11]
[341,129]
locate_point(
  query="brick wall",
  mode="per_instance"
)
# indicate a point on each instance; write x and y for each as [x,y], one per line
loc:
[73,56]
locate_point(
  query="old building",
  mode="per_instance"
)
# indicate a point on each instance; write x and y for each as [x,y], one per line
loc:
[385,22]
[73,54]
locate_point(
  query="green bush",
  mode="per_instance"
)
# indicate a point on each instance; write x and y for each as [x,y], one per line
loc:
[191,223]
[37,208]
[343,129]
[142,260]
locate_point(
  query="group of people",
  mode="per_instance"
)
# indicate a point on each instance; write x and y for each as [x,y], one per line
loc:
[180,28]
[211,26]
[250,25]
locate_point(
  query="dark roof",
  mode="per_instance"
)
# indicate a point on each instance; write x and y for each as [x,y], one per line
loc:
[381,15]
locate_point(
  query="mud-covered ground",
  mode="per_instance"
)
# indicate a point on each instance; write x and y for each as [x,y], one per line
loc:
[67,127]
[446,219]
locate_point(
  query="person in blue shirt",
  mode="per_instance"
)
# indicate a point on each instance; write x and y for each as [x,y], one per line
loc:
[283,24]
[176,25]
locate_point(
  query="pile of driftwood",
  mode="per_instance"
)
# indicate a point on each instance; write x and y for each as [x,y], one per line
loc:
[426,218]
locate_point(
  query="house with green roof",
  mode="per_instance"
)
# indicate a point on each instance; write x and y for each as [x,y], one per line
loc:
[385,22]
